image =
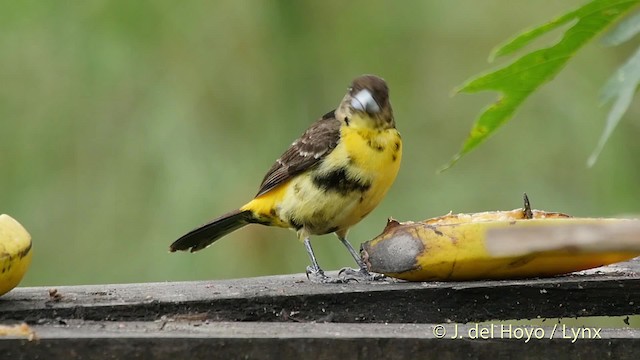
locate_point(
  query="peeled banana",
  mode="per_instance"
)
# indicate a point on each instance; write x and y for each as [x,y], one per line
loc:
[453,247]
[15,253]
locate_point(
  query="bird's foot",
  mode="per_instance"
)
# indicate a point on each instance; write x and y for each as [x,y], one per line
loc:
[349,274]
[316,275]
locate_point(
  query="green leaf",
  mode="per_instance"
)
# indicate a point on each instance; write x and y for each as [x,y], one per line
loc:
[621,86]
[518,80]
[525,38]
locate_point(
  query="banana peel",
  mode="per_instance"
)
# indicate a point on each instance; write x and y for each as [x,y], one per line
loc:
[15,253]
[453,247]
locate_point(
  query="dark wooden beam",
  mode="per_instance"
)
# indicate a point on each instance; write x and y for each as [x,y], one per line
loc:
[610,291]
[185,339]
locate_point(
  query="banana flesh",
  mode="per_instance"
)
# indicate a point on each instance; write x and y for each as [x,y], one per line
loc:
[453,247]
[15,253]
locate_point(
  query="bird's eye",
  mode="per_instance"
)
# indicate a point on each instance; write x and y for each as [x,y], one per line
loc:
[346,121]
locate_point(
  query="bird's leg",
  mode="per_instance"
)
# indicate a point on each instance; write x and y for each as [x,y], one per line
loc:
[363,273]
[314,273]
[313,270]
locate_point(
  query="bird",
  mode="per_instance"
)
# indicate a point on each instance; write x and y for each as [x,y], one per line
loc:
[328,180]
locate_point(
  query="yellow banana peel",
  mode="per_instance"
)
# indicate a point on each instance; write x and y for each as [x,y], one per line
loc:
[15,253]
[453,247]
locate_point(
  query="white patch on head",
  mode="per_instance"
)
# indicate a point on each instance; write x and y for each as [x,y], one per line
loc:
[364,101]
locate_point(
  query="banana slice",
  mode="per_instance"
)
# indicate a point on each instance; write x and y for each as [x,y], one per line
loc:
[15,253]
[453,247]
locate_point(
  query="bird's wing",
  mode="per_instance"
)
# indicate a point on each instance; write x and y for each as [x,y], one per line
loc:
[316,143]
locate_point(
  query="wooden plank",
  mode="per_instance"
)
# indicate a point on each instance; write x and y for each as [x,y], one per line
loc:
[198,339]
[196,328]
[614,290]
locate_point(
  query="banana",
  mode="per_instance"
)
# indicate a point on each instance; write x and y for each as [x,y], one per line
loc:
[453,247]
[15,253]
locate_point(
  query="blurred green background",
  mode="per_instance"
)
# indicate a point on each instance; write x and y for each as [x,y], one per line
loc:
[125,124]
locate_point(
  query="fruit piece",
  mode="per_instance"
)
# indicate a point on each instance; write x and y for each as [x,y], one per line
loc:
[453,248]
[15,253]
[20,330]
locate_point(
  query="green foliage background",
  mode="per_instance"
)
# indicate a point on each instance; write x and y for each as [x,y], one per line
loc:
[124,124]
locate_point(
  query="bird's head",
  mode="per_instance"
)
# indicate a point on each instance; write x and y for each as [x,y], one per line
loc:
[366,104]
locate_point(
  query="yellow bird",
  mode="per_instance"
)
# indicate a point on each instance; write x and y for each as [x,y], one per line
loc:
[328,180]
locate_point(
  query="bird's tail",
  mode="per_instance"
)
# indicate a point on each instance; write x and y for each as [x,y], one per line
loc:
[205,235]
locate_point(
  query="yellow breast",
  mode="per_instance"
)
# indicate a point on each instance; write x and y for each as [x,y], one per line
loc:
[374,155]
[347,185]
[339,191]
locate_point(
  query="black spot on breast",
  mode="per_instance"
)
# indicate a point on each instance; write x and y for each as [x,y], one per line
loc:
[394,157]
[353,161]
[375,146]
[397,144]
[296,225]
[340,182]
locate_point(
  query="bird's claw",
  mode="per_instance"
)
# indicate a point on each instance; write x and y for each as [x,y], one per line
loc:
[317,276]
[350,274]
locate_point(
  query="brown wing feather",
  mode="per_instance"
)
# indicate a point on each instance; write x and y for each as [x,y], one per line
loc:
[316,143]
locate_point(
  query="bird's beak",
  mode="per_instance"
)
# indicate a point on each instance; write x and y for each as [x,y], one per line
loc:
[364,101]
